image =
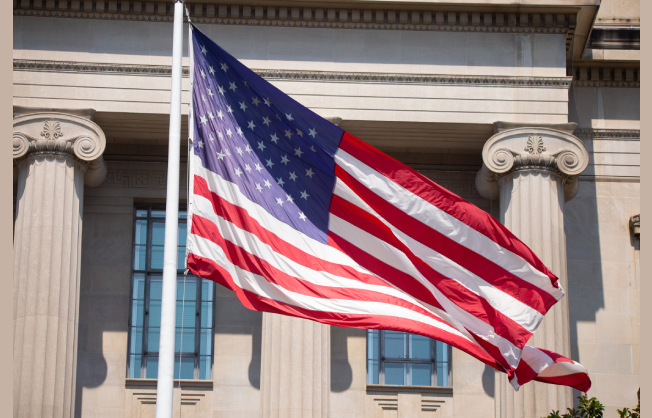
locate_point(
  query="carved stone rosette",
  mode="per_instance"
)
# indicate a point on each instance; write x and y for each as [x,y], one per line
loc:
[531,149]
[63,135]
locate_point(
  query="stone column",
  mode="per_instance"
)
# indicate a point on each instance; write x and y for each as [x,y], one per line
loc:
[56,155]
[295,368]
[534,171]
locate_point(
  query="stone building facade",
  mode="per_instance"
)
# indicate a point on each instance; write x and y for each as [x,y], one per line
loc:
[529,111]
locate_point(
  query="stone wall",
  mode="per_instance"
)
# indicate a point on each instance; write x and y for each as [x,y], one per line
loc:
[603,289]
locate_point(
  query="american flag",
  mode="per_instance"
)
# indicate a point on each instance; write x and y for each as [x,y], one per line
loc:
[300,218]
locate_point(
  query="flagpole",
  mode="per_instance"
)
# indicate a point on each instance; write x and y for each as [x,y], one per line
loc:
[165,383]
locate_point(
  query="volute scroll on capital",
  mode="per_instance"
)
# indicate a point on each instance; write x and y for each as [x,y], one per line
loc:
[536,149]
[61,133]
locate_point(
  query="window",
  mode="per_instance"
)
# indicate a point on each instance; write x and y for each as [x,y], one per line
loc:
[399,358]
[194,332]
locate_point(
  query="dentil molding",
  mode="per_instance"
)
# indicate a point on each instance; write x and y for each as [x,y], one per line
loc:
[299,75]
[607,76]
[318,17]
[609,134]
[61,134]
[531,149]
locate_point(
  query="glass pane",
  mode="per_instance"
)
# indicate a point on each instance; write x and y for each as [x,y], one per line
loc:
[156,287]
[204,368]
[183,214]
[157,257]
[191,288]
[141,232]
[136,346]
[187,312]
[395,344]
[395,373]
[158,233]
[207,287]
[154,313]
[206,314]
[187,368]
[206,338]
[152,341]
[138,313]
[183,232]
[373,344]
[420,374]
[442,374]
[181,258]
[441,350]
[139,286]
[134,366]
[372,372]
[141,213]
[188,340]
[419,347]
[158,213]
[152,367]
[140,255]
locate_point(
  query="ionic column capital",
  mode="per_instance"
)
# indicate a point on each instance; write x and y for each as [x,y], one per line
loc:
[61,134]
[531,149]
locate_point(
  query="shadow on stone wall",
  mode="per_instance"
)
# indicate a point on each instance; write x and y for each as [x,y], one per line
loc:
[489,381]
[341,370]
[585,291]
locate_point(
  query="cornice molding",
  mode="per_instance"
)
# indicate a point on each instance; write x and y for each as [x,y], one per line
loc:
[607,77]
[90,67]
[554,23]
[297,75]
[355,77]
[609,134]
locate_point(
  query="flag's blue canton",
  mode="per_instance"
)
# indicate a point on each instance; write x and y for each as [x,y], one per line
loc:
[278,152]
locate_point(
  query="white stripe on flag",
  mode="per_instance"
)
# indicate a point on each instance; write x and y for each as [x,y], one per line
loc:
[397,259]
[513,308]
[260,286]
[444,223]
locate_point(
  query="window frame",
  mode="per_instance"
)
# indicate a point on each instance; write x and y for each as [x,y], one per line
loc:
[432,361]
[148,273]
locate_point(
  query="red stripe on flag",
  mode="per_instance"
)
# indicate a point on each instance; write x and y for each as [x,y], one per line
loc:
[256,265]
[208,269]
[451,289]
[443,199]
[493,274]
[579,381]
[396,277]
[243,220]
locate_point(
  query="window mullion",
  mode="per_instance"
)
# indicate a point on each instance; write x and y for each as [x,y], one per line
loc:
[433,363]
[407,366]
[144,352]
[381,359]
[197,326]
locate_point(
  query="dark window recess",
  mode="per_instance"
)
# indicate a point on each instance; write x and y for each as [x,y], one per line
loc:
[195,304]
[399,358]
[617,38]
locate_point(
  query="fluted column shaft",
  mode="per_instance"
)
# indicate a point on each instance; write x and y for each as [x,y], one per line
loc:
[532,207]
[46,284]
[53,167]
[533,171]
[295,369]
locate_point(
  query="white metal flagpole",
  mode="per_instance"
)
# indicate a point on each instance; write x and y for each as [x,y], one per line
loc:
[165,384]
